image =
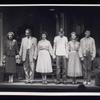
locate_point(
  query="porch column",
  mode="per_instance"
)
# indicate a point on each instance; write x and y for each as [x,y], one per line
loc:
[62,20]
[1,38]
[57,24]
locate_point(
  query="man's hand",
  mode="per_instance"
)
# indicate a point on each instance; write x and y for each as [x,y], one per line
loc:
[4,59]
[17,56]
[82,58]
[92,58]
[34,58]
[66,56]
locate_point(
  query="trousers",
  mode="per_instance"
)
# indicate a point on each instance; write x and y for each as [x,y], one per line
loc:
[29,68]
[87,67]
[60,67]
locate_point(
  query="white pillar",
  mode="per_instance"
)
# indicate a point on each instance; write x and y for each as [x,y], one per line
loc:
[57,24]
[1,38]
[66,25]
[62,20]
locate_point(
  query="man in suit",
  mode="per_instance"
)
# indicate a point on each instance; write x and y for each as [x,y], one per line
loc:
[28,52]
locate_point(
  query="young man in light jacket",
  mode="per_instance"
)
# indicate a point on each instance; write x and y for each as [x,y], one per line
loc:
[88,53]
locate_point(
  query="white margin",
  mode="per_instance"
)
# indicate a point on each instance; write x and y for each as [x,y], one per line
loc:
[12,5]
[49,93]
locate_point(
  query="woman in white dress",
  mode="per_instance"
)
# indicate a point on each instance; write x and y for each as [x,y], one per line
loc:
[74,64]
[44,64]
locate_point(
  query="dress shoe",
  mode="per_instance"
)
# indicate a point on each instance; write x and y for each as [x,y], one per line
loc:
[58,82]
[85,82]
[44,82]
[27,81]
[31,81]
[64,82]
[73,82]
[89,83]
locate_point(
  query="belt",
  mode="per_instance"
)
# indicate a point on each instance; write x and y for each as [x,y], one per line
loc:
[44,49]
[10,55]
[27,51]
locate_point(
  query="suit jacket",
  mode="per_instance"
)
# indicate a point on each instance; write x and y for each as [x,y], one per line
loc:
[91,47]
[32,51]
[14,48]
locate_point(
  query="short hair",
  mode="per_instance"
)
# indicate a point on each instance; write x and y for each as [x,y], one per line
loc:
[44,32]
[61,29]
[73,33]
[87,30]
[12,33]
[28,29]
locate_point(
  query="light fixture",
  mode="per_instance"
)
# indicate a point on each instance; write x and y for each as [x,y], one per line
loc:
[52,9]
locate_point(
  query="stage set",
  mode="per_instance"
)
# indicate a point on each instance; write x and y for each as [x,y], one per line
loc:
[37,86]
[49,19]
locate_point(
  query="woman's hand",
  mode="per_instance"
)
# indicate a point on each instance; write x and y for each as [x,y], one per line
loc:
[53,56]
[4,59]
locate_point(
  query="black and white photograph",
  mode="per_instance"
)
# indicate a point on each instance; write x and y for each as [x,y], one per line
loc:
[50,48]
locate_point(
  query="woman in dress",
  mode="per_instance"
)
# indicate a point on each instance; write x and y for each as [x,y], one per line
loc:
[44,64]
[10,52]
[74,64]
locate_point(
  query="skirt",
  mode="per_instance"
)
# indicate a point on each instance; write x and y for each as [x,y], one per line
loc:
[10,65]
[44,64]
[74,65]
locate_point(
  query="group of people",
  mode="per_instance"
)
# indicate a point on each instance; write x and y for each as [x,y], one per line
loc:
[73,58]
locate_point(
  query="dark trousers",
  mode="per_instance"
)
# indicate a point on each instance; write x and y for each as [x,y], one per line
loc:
[97,77]
[59,68]
[87,67]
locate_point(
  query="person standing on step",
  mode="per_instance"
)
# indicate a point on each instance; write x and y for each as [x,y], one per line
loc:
[28,53]
[61,55]
[88,53]
[74,64]
[10,53]
[44,62]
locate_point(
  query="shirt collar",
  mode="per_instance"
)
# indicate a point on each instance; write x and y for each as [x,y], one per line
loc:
[61,37]
[88,37]
[29,37]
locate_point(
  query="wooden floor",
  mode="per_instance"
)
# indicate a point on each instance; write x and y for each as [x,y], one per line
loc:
[37,86]
[38,82]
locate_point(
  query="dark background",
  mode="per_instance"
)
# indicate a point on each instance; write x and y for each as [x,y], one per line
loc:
[17,19]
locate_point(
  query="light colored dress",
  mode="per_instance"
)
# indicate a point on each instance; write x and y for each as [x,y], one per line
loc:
[74,64]
[44,64]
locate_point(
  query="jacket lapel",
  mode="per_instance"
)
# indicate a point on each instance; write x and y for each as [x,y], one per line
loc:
[31,42]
